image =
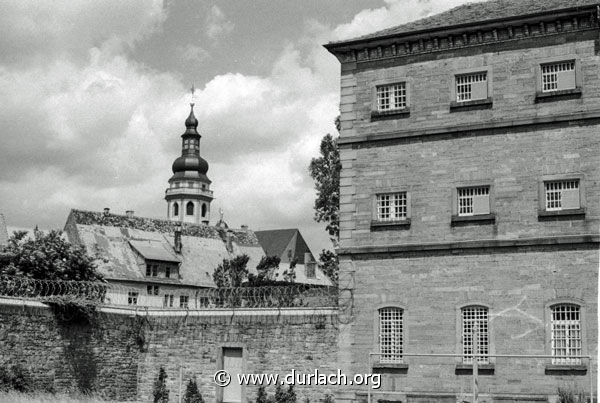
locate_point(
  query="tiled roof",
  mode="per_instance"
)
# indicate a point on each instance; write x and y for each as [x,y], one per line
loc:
[477,12]
[275,241]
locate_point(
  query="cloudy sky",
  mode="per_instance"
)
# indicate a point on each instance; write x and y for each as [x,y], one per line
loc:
[93,96]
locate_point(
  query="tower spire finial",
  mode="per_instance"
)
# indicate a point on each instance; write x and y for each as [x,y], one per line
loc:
[193,91]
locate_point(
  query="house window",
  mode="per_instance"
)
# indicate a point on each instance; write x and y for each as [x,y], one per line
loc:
[391,97]
[168,300]
[475,320]
[152,290]
[167,271]
[184,301]
[151,270]
[558,76]
[132,298]
[566,334]
[391,207]
[390,334]
[189,208]
[176,205]
[562,195]
[203,207]
[473,200]
[470,87]
[310,270]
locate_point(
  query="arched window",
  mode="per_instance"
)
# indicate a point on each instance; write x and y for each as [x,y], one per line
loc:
[566,333]
[189,208]
[390,334]
[175,209]
[203,210]
[475,320]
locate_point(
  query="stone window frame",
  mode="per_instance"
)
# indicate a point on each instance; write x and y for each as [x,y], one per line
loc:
[397,224]
[541,96]
[467,369]
[396,113]
[478,219]
[133,297]
[220,365]
[568,369]
[400,365]
[485,103]
[544,215]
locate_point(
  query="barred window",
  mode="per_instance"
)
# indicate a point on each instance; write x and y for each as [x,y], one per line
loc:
[562,195]
[152,290]
[391,206]
[390,334]
[168,301]
[471,86]
[473,200]
[558,76]
[391,97]
[475,318]
[132,298]
[184,301]
[566,334]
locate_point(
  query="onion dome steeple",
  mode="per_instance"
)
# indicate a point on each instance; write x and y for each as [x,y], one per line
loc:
[188,195]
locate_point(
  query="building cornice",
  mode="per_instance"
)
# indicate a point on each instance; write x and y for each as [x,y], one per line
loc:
[491,127]
[469,245]
[450,38]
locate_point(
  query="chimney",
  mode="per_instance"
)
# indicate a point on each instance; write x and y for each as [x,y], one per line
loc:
[229,241]
[244,227]
[308,258]
[106,211]
[129,213]
[178,245]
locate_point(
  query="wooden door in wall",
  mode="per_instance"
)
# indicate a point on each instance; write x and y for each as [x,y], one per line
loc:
[232,363]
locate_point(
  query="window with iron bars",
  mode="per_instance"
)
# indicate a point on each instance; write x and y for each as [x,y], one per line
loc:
[471,87]
[562,195]
[391,97]
[558,76]
[566,334]
[390,334]
[473,200]
[475,318]
[132,298]
[392,206]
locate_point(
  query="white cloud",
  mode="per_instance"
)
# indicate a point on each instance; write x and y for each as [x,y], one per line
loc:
[395,12]
[217,24]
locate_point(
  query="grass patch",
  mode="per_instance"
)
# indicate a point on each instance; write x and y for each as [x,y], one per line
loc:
[17,397]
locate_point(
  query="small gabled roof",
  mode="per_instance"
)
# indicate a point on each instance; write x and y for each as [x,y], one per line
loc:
[151,250]
[276,242]
[476,12]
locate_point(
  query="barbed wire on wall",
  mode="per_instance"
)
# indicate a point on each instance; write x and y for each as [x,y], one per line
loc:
[111,294]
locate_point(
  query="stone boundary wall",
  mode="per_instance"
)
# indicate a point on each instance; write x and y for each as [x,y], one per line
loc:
[119,354]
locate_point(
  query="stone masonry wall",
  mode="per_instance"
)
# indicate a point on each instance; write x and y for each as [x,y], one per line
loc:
[516,284]
[119,356]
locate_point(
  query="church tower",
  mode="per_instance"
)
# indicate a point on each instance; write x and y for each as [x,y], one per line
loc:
[188,195]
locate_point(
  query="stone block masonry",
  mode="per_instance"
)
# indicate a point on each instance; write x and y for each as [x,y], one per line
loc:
[118,357]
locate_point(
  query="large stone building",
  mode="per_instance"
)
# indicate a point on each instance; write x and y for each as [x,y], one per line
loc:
[470,202]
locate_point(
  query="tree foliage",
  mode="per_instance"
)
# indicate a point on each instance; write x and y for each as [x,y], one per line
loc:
[231,272]
[192,394]
[325,171]
[329,264]
[48,257]
[160,392]
[265,269]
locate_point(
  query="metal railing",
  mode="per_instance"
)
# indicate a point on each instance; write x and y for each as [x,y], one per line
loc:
[102,293]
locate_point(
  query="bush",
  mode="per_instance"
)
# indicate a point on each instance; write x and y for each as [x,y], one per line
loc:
[570,395]
[192,394]
[161,393]
[328,398]
[261,395]
[15,378]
